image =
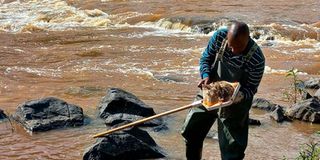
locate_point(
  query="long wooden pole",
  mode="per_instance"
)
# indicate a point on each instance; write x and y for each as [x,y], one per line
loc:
[194,104]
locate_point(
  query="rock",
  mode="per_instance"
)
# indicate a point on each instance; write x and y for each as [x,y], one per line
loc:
[263,104]
[313,83]
[254,122]
[200,25]
[169,78]
[256,34]
[127,145]
[120,101]
[278,114]
[48,113]
[317,94]
[307,110]
[123,118]
[270,38]
[2,115]
[203,28]
[305,95]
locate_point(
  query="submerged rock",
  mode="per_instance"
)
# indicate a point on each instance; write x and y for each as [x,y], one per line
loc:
[48,113]
[127,145]
[2,115]
[307,110]
[120,101]
[263,104]
[169,78]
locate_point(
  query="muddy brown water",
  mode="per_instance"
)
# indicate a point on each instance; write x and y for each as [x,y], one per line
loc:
[75,50]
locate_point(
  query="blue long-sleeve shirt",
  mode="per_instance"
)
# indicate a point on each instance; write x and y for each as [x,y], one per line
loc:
[254,68]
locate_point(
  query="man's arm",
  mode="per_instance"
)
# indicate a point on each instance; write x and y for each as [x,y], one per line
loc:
[208,56]
[255,72]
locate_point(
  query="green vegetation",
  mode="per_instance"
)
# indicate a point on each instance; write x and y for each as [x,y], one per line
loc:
[296,88]
[310,151]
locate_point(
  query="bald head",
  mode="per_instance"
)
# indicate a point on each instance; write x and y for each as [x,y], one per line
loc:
[238,37]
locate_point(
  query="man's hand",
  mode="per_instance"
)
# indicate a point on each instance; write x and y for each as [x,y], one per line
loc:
[239,97]
[204,81]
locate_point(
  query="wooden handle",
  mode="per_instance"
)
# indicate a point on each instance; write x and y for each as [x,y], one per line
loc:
[194,104]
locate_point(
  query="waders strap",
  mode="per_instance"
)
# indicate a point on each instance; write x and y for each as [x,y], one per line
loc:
[222,49]
[252,50]
[219,55]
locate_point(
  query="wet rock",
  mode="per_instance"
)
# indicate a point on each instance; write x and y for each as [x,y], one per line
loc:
[313,83]
[48,113]
[206,26]
[120,101]
[261,103]
[256,34]
[270,38]
[203,28]
[317,94]
[169,78]
[123,118]
[307,110]
[305,95]
[278,114]
[2,115]
[127,145]
[254,122]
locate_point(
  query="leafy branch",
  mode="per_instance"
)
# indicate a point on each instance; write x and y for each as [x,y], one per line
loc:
[296,85]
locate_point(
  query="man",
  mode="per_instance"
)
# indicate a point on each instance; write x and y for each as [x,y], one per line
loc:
[231,55]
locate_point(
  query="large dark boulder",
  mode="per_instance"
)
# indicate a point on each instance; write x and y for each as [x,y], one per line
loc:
[261,103]
[307,110]
[48,113]
[2,115]
[127,145]
[120,101]
[313,83]
[124,118]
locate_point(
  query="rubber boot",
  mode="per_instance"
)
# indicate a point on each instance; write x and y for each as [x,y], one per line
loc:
[193,152]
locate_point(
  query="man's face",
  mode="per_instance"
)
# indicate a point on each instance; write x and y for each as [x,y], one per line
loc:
[237,45]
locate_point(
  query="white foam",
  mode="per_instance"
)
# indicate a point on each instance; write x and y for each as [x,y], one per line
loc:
[48,15]
[136,71]
[269,70]
[36,71]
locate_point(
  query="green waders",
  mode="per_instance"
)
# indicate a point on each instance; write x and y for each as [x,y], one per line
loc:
[233,120]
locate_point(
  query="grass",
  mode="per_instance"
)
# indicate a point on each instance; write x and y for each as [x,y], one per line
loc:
[309,151]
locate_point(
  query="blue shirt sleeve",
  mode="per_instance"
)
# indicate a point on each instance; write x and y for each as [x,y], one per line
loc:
[209,54]
[255,72]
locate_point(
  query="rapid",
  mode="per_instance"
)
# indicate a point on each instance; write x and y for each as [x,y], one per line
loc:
[75,50]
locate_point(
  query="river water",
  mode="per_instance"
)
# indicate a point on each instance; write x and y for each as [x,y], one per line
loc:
[75,50]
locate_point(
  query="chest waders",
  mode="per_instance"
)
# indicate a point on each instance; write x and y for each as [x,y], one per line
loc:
[232,120]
